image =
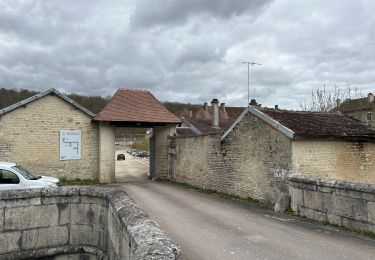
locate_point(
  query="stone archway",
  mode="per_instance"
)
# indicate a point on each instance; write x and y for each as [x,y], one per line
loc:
[135,108]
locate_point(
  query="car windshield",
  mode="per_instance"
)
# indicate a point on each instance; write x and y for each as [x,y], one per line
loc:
[25,173]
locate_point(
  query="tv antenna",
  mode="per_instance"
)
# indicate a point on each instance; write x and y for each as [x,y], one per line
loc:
[249,80]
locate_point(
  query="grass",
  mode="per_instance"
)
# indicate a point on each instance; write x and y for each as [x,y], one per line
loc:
[211,191]
[79,181]
[345,228]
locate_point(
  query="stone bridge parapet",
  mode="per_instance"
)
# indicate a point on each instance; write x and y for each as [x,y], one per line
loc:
[337,202]
[78,222]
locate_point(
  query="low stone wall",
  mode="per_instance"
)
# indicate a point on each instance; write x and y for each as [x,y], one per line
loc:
[342,203]
[78,223]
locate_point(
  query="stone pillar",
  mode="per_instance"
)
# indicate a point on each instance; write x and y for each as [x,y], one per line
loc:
[106,153]
[161,134]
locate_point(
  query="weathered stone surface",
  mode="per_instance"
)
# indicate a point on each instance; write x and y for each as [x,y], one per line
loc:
[64,210]
[60,199]
[31,217]
[70,227]
[88,214]
[87,235]
[282,203]
[296,198]
[313,214]
[371,212]
[334,219]
[59,251]
[44,237]
[39,138]
[10,241]
[349,204]
[20,202]
[1,220]
[318,200]
[350,207]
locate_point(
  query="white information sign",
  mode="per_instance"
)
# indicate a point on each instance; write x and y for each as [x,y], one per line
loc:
[70,145]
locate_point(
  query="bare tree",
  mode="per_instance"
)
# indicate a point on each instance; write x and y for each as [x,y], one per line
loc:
[323,100]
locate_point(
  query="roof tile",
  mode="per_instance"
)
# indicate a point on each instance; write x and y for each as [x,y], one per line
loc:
[136,105]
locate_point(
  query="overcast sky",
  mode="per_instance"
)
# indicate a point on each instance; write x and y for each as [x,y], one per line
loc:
[189,51]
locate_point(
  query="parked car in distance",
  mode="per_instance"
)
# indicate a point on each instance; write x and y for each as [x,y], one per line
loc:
[120,156]
[14,176]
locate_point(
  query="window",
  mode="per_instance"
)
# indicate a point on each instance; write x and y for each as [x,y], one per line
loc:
[369,116]
[7,177]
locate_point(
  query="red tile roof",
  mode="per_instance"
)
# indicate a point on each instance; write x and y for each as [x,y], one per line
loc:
[205,126]
[136,105]
[185,132]
[321,124]
[202,119]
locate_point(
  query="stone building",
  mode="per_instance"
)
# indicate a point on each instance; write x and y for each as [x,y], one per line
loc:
[362,109]
[254,155]
[50,134]
[30,135]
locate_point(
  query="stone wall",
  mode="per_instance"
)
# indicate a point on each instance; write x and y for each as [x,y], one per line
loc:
[342,160]
[161,134]
[338,202]
[252,161]
[77,222]
[30,136]
[107,166]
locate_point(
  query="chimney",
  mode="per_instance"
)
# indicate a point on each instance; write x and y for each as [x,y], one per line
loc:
[253,102]
[222,107]
[190,113]
[370,97]
[205,105]
[215,112]
[276,107]
[338,102]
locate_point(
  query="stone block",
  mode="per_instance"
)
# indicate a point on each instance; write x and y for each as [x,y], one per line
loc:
[64,213]
[10,241]
[349,193]
[60,199]
[44,237]
[313,214]
[93,200]
[296,197]
[350,207]
[88,214]
[1,220]
[334,219]
[88,235]
[325,189]
[318,200]
[282,203]
[21,202]
[371,212]
[31,217]
[354,224]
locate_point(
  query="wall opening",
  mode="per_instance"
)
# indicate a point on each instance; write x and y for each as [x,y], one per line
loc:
[132,154]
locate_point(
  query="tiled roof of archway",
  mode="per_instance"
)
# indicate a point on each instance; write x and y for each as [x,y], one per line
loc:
[135,105]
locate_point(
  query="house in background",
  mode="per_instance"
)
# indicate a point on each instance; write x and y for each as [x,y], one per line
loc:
[208,120]
[362,109]
[252,155]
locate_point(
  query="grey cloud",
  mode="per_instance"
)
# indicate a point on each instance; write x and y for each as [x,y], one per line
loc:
[193,52]
[166,12]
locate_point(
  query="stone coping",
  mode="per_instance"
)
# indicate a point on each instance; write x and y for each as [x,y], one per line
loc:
[339,184]
[147,239]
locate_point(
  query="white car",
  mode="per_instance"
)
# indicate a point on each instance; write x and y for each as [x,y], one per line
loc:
[14,176]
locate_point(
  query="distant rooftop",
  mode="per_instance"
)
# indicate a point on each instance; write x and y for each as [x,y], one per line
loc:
[352,105]
[321,124]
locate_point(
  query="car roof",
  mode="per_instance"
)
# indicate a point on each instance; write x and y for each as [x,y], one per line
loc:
[7,164]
